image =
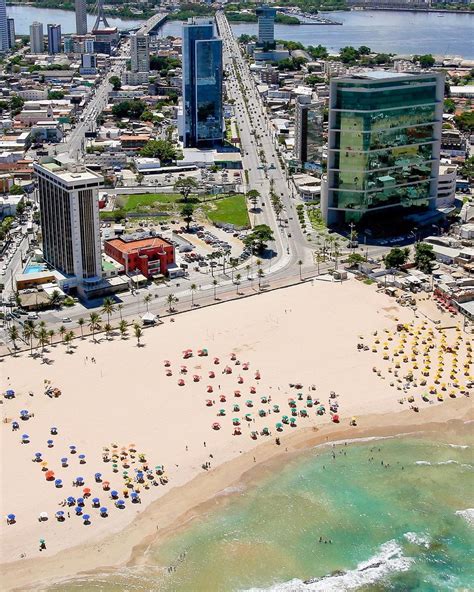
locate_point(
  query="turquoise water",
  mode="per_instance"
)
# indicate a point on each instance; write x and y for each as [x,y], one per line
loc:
[397,526]
[32,268]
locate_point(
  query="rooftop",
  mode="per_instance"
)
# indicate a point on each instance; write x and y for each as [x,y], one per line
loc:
[72,174]
[129,244]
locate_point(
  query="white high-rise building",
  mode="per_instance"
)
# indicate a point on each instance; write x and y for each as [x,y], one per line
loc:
[70,222]
[140,52]
[4,46]
[36,38]
[11,32]
[81,17]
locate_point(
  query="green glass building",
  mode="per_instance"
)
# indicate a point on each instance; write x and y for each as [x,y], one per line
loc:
[384,144]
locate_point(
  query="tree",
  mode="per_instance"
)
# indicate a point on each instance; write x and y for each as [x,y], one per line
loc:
[55,298]
[349,55]
[43,338]
[68,340]
[426,60]
[146,115]
[94,323]
[123,328]
[238,278]
[215,283]
[62,331]
[29,333]
[138,332]
[364,50]
[354,259]
[186,186]
[300,263]
[139,177]
[162,149]
[465,121]
[171,300]
[107,329]
[132,109]
[108,307]
[81,321]
[148,298]
[233,264]
[260,274]
[13,335]
[115,82]
[257,240]
[51,334]
[396,258]
[55,95]
[318,52]
[187,212]
[253,196]
[424,257]
[16,104]
[449,106]
[17,190]
[193,289]
[120,308]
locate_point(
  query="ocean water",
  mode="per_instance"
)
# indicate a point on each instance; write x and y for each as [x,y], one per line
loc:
[332,520]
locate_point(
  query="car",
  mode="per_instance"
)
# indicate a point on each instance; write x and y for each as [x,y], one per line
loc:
[66,320]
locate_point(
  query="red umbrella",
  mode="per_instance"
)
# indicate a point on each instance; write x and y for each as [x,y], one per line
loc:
[216,426]
[216,361]
[209,388]
[167,363]
[335,418]
[105,485]
[180,382]
[240,380]
[236,393]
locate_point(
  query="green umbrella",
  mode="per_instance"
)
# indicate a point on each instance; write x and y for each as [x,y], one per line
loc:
[279,426]
[221,411]
[236,421]
[248,416]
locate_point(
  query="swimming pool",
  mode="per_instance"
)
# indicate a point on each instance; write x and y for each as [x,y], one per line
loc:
[34,268]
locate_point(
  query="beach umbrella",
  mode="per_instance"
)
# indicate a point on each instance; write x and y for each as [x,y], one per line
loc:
[80,480]
[236,421]
[103,512]
[105,485]
[216,426]
[43,515]
[120,503]
[70,501]
[265,431]
[38,456]
[82,459]
[86,518]
[49,475]
[72,448]
[221,412]
[64,462]
[98,477]
[114,494]
[276,408]
[86,491]
[293,421]
[80,501]
[78,510]
[248,416]
[11,519]
[279,426]
[10,394]
[60,515]
[24,414]
[58,483]
[236,407]
[50,443]
[53,431]
[284,419]
[249,403]
[25,439]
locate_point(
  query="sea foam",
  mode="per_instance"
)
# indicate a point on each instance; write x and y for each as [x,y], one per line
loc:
[389,559]
[417,539]
[467,514]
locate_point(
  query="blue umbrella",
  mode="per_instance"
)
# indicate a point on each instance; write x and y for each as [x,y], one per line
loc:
[95,502]
[64,462]
[25,438]
[103,511]
[120,503]
[58,482]
[60,515]
[50,443]
[98,477]
[71,500]
[24,412]
[114,494]
[53,431]
[86,518]
[72,449]
[80,501]
[38,455]
[80,480]
[78,510]
[10,393]
[15,425]
[82,458]
[11,517]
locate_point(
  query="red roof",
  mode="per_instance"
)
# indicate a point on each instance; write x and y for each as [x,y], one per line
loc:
[137,245]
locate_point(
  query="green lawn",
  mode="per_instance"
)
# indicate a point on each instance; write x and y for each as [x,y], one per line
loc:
[230,210]
[135,202]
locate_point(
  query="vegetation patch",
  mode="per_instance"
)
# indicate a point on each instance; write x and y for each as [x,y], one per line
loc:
[229,210]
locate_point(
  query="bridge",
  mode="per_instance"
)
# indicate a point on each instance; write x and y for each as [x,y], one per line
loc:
[153,23]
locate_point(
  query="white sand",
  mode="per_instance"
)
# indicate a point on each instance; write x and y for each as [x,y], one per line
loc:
[307,333]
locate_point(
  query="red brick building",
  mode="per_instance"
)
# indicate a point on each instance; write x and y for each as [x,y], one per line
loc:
[149,256]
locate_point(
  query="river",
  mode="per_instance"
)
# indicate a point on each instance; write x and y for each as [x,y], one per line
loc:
[392,32]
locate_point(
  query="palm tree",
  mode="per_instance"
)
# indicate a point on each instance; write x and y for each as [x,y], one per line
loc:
[107,329]
[43,338]
[300,263]
[238,277]
[120,308]
[193,288]
[215,283]
[55,298]
[138,332]
[171,299]
[148,298]
[29,333]
[68,340]
[233,264]
[123,328]
[260,274]
[51,334]
[108,307]
[13,334]
[81,322]
[247,269]
[62,331]
[94,323]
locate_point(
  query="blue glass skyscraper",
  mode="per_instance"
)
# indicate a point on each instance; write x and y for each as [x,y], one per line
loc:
[203,124]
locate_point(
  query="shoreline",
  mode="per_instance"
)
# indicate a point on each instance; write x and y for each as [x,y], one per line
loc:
[183,504]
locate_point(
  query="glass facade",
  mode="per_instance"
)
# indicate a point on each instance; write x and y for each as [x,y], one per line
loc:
[202,85]
[383,143]
[309,138]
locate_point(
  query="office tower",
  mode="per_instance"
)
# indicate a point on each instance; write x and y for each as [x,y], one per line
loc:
[54,39]
[36,38]
[384,145]
[309,138]
[202,85]
[140,52]
[11,32]
[68,44]
[4,46]
[81,17]
[266,25]
[70,220]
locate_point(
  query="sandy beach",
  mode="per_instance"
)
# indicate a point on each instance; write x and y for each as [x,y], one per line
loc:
[117,396]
